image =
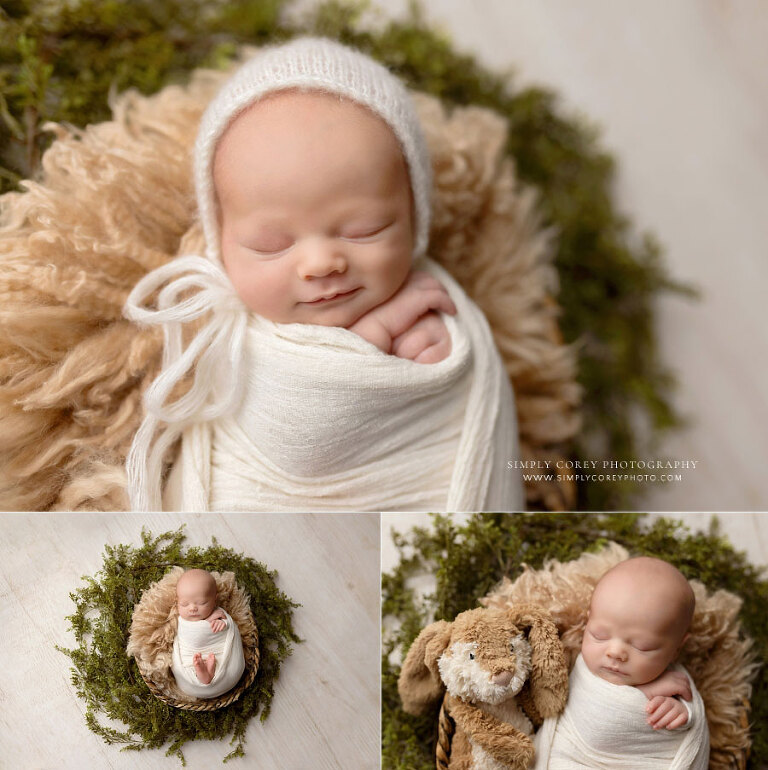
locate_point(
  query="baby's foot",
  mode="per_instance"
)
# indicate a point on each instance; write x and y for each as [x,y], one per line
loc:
[205,670]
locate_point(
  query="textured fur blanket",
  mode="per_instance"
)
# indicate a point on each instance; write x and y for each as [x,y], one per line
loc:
[115,200]
[718,658]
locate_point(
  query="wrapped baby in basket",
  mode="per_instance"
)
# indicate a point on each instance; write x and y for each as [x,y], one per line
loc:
[208,656]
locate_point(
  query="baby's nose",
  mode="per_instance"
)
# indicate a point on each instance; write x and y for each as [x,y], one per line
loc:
[503,678]
[319,258]
[617,651]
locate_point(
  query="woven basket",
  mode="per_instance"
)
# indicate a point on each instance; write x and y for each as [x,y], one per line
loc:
[446,727]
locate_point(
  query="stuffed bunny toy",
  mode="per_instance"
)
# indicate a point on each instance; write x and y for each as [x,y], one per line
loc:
[500,672]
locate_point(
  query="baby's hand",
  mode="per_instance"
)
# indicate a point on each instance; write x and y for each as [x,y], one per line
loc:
[666,712]
[668,684]
[217,621]
[420,297]
[426,342]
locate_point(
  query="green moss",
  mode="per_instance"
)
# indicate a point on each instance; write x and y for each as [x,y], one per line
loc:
[59,60]
[109,681]
[467,560]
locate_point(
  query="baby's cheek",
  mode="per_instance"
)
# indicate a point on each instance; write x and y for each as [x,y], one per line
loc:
[260,285]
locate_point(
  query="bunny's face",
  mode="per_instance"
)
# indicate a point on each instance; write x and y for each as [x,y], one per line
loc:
[485,661]
[486,655]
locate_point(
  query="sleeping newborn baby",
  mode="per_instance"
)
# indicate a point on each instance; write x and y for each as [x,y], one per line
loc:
[340,369]
[208,656]
[622,711]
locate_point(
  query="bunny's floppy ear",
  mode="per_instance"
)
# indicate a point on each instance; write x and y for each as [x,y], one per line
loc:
[549,672]
[419,684]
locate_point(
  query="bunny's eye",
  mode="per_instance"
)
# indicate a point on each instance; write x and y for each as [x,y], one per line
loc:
[471,655]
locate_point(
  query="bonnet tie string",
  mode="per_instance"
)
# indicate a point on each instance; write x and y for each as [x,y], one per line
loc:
[214,355]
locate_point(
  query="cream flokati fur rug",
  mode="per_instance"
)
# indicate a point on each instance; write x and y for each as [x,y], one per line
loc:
[716,655]
[115,200]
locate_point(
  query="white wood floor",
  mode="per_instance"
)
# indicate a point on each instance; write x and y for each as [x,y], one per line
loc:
[325,713]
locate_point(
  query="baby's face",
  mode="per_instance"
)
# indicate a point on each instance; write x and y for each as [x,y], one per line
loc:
[196,595]
[632,632]
[314,209]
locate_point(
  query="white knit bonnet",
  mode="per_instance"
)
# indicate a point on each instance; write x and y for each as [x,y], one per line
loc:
[314,64]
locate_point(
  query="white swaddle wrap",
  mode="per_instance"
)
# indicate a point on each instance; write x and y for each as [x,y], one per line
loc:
[604,726]
[326,421]
[195,636]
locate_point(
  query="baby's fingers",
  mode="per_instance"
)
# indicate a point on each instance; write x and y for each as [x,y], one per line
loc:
[427,341]
[436,299]
[434,353]
[661,710]
[668,719]
[679,721]
[654,703]
[432,294]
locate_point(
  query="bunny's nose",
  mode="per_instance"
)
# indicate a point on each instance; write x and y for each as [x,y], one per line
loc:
[503,678]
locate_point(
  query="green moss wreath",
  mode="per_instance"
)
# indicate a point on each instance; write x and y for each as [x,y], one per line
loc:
[467,560]
[59,61]
[109,681]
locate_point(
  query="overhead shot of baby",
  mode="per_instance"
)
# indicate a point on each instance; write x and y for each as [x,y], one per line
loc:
[335,366]
[629,704]
[208,656]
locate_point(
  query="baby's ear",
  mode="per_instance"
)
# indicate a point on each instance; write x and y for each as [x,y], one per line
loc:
[419,684]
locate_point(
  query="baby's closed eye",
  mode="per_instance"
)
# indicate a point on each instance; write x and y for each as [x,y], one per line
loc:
[269,242]
[364,230]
